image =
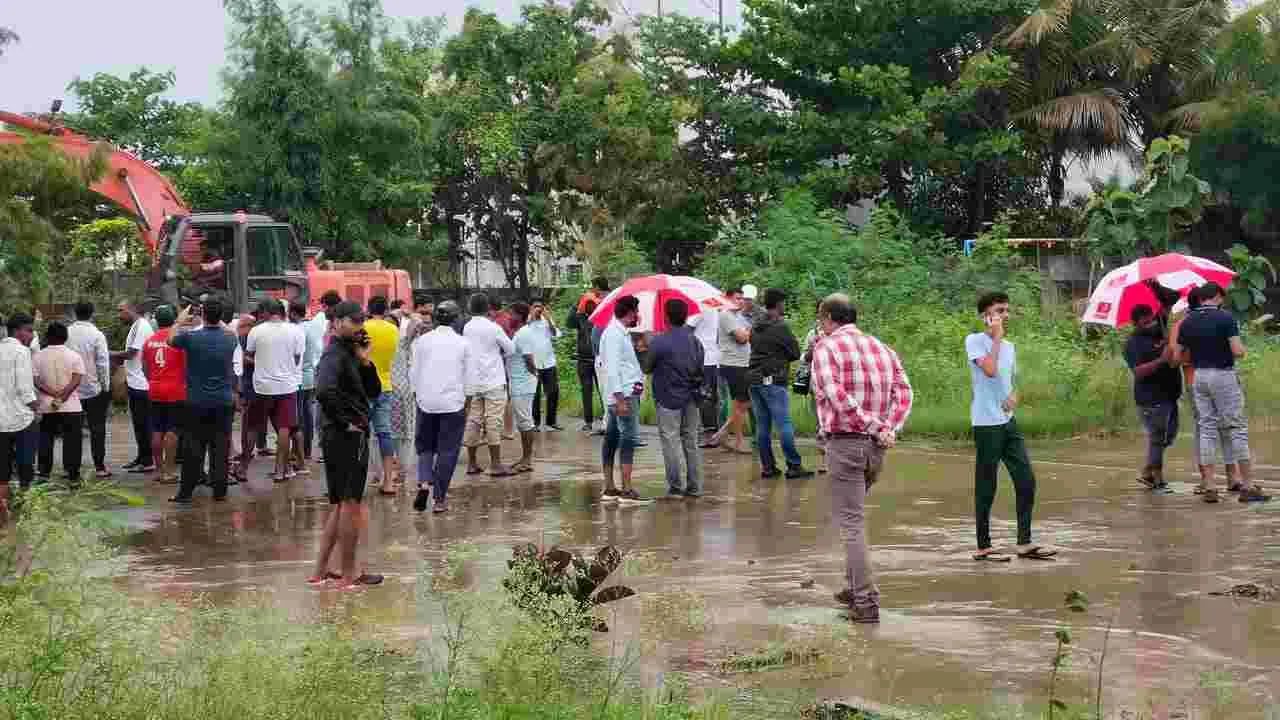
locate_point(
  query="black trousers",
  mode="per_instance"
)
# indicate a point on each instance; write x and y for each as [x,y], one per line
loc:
[587,379]
[207,433]
[15,449]
[95,416]
[140,413]
[550,380]
[68,427]
[306,419]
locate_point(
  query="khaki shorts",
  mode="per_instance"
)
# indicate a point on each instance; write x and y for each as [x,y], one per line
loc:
[522,412]
[484,418]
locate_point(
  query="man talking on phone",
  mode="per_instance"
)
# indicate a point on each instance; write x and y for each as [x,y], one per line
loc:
[992,367]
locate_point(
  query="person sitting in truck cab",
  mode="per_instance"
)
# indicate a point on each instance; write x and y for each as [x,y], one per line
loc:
[211,273]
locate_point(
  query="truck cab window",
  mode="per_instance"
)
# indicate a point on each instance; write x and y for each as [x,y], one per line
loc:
[271,252]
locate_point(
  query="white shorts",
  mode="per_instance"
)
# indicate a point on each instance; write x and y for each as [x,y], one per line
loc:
[522,412]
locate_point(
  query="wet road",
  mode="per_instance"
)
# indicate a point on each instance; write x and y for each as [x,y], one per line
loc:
[731,573]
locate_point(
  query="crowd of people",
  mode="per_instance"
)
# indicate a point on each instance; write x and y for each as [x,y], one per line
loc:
[370,379]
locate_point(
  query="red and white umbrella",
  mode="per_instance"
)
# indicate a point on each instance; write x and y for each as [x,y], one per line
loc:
[653,291]
[1125,288]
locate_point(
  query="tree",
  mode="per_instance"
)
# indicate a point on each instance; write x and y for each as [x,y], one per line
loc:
[37,181]
[324,126]
[878,95]
[132,114]
[1238,147]
[1069,90]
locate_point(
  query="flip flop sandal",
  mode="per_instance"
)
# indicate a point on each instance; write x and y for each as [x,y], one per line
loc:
[475,471]
[1200,490]
[1038,553]
[1210,496]
[993,557]
[388,493]
[505,472]
[521,469]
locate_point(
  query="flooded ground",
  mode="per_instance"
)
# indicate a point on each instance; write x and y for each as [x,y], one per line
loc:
[752,567]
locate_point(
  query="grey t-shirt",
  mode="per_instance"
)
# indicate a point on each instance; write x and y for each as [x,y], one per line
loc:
[733,353]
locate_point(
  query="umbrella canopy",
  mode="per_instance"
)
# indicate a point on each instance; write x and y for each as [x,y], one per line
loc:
[1125,288]
[653,291]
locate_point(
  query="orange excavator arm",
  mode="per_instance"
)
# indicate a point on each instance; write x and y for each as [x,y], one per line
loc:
[130,183]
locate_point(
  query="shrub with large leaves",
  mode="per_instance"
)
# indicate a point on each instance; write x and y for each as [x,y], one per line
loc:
[537,574]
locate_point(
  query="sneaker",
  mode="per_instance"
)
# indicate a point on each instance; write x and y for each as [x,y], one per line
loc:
[1147,482]
[143,469]
[610,495]
[420,502]
[179,500]
[1162,488]
[586,428]
[552,428]
[131,465]
[441,507]
[693,494]
[798,473]
[1253,494]
[631,497]
[769,473]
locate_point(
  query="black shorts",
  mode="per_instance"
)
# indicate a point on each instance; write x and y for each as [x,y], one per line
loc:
[736,379]
[346,462]
[167,417]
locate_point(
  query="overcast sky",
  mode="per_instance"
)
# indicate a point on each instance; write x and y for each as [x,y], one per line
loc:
[63,40]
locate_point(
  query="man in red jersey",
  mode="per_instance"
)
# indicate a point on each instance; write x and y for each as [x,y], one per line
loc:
[166,370]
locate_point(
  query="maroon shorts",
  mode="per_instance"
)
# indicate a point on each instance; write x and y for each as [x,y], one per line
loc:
[282,410]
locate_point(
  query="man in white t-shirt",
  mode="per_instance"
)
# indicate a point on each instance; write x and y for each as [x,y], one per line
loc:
[706,328]
[488,347]
[275,349]
[139,389]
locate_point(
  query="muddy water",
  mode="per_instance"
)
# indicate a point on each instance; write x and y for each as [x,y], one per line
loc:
[753,566]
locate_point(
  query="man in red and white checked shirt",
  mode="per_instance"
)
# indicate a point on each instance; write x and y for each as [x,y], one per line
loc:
[863,399]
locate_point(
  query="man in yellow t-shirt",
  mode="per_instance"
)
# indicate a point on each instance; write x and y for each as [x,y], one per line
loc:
[384,338]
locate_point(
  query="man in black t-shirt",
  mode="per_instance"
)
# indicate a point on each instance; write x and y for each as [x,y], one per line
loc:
[1211,336]
[1157,385]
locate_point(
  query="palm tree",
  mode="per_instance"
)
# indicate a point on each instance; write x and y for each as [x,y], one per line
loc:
[1071,89]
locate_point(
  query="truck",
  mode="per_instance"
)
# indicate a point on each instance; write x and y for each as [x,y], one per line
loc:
[245,257]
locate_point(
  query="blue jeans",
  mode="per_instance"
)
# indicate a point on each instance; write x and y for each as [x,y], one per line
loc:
[622,434]
[771,404]
[380,419]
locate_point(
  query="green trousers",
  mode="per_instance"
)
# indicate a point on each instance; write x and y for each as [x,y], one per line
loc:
[996,444]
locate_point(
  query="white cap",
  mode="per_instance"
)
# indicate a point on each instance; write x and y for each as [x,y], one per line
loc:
[750,291]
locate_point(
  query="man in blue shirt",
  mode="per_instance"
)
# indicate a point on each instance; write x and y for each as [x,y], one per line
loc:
[675,361]
[622,387]
[211,397]
[992,367]
[1211,336]
[544,358]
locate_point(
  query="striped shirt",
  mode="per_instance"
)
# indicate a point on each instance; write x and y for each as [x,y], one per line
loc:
[859,384]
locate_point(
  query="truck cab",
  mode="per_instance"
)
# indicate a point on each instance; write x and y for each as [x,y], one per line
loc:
[244,257]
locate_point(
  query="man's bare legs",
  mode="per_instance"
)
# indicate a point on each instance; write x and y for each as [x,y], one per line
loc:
[495,461]
[328,539]
[626,477]
[348,537]
[526,451]
[283,456]
[734,426]
[390,473]
[164,449]
[473,460]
